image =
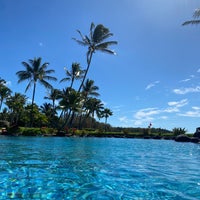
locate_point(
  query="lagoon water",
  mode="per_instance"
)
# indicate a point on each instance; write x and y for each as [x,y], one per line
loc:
[98,168]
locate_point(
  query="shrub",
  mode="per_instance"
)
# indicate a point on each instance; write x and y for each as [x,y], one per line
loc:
[179,131]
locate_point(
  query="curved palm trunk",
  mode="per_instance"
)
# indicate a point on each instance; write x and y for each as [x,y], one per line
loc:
[1,102]
[89,59]
[33,97]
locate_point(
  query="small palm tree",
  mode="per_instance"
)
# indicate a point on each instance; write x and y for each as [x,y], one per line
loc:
[106,113]
[96,41]
[54,95]
[89,89]
[74,74]
[35,72]
[196,19]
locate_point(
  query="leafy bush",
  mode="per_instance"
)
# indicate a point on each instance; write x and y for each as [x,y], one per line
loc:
[30,131]
[179,131]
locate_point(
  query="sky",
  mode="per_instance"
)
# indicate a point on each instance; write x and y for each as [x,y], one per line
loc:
[153,78]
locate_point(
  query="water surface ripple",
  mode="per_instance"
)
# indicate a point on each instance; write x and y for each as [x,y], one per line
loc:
[98,168]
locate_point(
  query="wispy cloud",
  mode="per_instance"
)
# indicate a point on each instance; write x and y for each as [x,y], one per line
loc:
[187,90]
[149,86]
[195,112]
[149,114]
[8,83]
[188,79]
[124,119]
[181,103]
[198,70]
[145,115]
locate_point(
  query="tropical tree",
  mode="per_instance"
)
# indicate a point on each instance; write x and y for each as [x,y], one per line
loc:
[49,112]
[89,89]
[35,72]
[70,103]
[91,107]
[106,113]
[74,74]
[54,95]
[4,93]
[16,104]
[196,18]
[96,41]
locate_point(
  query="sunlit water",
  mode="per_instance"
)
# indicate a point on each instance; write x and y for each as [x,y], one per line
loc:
[98,168]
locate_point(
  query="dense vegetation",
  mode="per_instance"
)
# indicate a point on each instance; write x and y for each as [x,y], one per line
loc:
[69,107]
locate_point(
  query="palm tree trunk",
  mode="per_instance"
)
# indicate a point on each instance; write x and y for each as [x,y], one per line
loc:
[33,97]
[88,66]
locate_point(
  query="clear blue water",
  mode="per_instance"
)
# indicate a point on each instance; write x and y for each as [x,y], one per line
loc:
[98,168]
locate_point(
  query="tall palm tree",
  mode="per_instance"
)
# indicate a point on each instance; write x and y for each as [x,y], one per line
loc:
[96,41]
[35,72]
[74,74]
[196,19]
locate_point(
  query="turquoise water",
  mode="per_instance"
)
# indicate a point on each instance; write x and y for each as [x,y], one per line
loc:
[98,168]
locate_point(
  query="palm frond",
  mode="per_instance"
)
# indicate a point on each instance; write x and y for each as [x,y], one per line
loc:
[80,42]
[105,45]
[46,84]
[99,31]
[107,51]
[49,78]
[49,71]
[104,37]
[196,13]
[64,79]
[28,86]
[92,26]
[192,22]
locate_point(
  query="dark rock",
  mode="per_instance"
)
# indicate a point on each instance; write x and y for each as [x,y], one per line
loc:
[182,138]
[157,137]
[197,133]
[195,140]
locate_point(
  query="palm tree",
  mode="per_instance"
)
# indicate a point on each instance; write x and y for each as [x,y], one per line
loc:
[35,72]
[4,93]
[96,41]
[107,113]
[54,95]
[89,89]
[16,105]
[196,15]
[73,74]
[70,102]
[92,106]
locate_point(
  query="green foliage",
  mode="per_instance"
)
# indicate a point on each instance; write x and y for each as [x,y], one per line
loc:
[179,131]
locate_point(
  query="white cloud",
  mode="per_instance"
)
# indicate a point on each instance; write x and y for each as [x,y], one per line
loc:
[185,80]
[163,117]
[123,119]
[151,85]
[181,103]
[149,114]
[187,90]
[195,112]
[145,115]
[171,110]
[198,70]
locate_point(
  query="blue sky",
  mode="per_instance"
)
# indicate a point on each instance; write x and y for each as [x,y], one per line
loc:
[155,76]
